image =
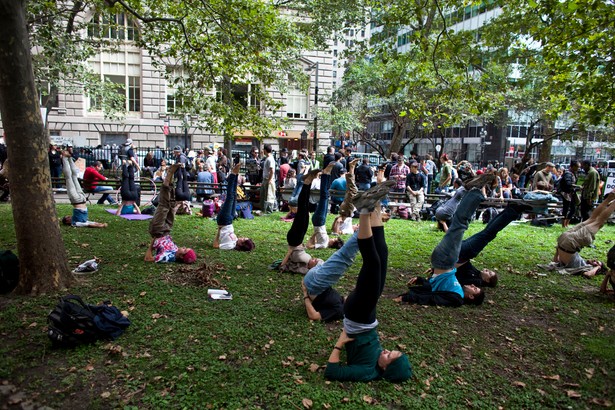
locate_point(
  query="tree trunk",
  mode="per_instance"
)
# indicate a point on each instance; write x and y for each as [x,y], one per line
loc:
[43,266]
[399,131]
[544,152]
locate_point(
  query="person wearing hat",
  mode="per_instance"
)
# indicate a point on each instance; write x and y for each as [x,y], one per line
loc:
[366,359]
[127,152]
[162,249]
[545,175]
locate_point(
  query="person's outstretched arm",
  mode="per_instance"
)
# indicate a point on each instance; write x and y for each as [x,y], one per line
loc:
[149,254]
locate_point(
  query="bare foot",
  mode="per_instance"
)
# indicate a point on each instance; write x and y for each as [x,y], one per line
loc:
[236,168]
[329,168]
[309,177]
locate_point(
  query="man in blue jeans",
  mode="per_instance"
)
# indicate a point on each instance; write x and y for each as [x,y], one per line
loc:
[443,288]
[322,302]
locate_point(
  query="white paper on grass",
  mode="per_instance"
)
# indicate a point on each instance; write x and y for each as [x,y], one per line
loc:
[220,294]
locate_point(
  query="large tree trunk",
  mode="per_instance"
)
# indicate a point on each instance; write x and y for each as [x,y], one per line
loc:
[43,266]
[399,131]
[544,152]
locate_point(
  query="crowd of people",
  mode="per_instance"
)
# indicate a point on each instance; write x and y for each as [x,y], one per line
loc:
[360,191]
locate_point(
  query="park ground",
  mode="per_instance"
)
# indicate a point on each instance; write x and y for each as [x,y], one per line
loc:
[540,340]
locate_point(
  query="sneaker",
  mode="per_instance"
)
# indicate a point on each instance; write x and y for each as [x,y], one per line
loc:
[369,199]
[480,181]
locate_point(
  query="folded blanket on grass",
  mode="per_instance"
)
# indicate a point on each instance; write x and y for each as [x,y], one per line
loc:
[563,270]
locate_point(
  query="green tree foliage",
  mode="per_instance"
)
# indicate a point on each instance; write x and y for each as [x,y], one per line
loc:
[575,41]
[442,78]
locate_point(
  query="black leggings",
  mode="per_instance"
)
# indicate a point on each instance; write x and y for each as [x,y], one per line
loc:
[300,225]
[360,306]
[129,190]
[182,191]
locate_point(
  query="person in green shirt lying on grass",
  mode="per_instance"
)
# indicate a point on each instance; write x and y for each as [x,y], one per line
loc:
[365,357]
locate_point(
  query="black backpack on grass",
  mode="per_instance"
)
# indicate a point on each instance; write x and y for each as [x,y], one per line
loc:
[9,271]
[72,322]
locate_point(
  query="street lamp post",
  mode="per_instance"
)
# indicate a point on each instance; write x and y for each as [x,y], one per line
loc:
[483,135]
[315,66]
[186,119]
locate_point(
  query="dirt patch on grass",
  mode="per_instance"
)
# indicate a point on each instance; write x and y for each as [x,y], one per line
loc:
[202,276]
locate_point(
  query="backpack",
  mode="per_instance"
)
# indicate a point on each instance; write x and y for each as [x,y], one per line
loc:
[244,210]
[208,209]
[72,322]
[402,211]
[9,271]
[489,214]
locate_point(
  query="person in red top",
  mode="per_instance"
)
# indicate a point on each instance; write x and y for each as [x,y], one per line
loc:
[91,177]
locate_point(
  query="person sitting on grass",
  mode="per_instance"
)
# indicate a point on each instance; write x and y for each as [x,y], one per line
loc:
[162,249]
[443,288]
[322,302]
[129,190]
[366,360]
[320,238]
[225,238]
[609,277]
[570,243]
[76,196]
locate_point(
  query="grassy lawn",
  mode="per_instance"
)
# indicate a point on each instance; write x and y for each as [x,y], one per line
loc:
[539,341]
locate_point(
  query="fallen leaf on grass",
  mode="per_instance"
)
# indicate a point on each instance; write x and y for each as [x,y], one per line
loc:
[541,392]
[589,373]
[518,384]
[368,399]
[314,367]
[573,394]
[33,324]
[601,402]
[345,400]
[307,403]
[105,395]
[326,405]
[222,357]
[156,316]
[89,368]
[554,377]
[143,293]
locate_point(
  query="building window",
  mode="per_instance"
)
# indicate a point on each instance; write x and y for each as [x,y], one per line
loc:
[335,53]
[113,138]
[296,103]
[113,27]
[246,95]
[43,95]
[124,70]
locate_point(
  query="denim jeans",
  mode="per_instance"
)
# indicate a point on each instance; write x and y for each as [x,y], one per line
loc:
[320,277]
[446,253]
[227,210]
[474,245]
[446,210]
[104,197]
[319,217]
[363,186]
[294,198]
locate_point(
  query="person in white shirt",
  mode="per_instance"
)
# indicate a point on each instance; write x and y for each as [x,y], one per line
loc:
[225,237]
[267,191]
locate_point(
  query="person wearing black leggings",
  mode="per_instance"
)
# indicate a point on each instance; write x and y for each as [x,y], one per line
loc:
[129,190]
[366,359]
[297,259]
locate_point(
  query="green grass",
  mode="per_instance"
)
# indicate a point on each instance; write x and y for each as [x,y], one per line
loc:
[183,351]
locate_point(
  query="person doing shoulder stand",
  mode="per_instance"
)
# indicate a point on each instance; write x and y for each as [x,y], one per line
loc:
[225,238]
[366,360]
[162,249]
